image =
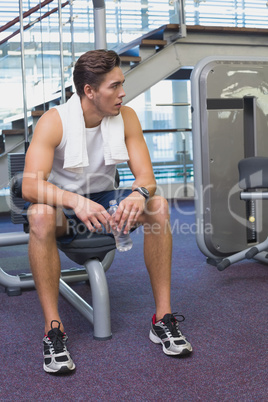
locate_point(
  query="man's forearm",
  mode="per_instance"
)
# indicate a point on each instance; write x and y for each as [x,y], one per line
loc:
[146,181]
[43,192]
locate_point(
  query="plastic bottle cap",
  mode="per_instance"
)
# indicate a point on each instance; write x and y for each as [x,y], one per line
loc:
[112,203]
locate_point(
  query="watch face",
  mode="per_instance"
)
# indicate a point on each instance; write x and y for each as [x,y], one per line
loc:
[143,191]
[146,192]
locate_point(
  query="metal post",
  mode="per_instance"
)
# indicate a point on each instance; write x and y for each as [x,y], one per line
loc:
[184,165]
[183,153]
[181,13]
[99,24]
[23,76]
[117,24]
[63,95]
[72,31]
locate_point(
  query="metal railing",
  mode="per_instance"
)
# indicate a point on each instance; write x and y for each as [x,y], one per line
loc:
[172,160]
[55,33]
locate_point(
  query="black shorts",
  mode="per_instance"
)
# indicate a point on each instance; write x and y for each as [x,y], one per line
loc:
[75,225]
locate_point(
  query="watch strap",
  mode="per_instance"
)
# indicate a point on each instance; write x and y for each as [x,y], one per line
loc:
[143,191]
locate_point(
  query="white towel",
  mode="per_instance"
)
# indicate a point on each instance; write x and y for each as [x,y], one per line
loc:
[112,129]
[113,135]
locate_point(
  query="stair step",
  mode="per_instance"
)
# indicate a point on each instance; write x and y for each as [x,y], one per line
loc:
[153,42]
[17,131]
[129,59]
[37,113]
[156,34]
[161,32]
[174,27]
[68,94]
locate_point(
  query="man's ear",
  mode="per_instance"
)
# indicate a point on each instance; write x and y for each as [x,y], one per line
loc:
[88,90]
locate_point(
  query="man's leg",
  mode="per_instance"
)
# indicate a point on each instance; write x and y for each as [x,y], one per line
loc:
[157,244]
[45,225]
[44,258]
[157,252]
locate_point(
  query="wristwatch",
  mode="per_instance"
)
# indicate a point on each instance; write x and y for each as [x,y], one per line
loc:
[143,191]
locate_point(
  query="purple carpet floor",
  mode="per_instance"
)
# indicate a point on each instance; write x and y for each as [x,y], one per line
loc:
[225,320]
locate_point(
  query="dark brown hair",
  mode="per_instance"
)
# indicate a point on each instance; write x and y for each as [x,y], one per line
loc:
[91,68]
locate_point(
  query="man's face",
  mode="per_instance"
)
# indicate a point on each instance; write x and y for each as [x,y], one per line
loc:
[109,97]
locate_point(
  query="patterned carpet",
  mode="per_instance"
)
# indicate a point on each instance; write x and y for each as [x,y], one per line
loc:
[226,322]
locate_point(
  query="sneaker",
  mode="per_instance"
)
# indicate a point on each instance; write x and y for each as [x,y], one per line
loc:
[57,359]
[166,332]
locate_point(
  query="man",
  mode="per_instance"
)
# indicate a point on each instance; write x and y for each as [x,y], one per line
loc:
[73,153]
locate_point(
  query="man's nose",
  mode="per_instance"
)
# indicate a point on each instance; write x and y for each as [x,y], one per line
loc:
[122,93]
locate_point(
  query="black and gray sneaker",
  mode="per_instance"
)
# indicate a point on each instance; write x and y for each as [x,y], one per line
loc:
[166,332]
[57,359]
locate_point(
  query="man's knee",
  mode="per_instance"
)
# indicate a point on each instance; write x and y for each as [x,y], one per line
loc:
[158,207]
[156,217]
[42,219]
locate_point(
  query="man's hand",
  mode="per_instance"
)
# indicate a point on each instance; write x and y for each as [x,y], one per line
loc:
[129,210]
[93,215]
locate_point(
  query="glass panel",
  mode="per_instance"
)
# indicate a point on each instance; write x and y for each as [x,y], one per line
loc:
[126,20]
[165,115]
[11,102]
[42,61]
[236,13]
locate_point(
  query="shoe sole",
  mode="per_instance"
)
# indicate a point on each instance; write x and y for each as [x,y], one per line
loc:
[62,370]
[155,339]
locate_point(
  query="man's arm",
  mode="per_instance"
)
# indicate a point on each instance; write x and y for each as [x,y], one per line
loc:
[39,160]
[140,165]
[38,165]
[139,159]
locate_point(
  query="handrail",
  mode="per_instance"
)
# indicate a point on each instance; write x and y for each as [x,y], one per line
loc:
[25,14]
[171,130]
[35,21]
[17,145]
[226,29]
[166,130]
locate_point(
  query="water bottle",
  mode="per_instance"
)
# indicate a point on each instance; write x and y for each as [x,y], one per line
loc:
[122,240]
